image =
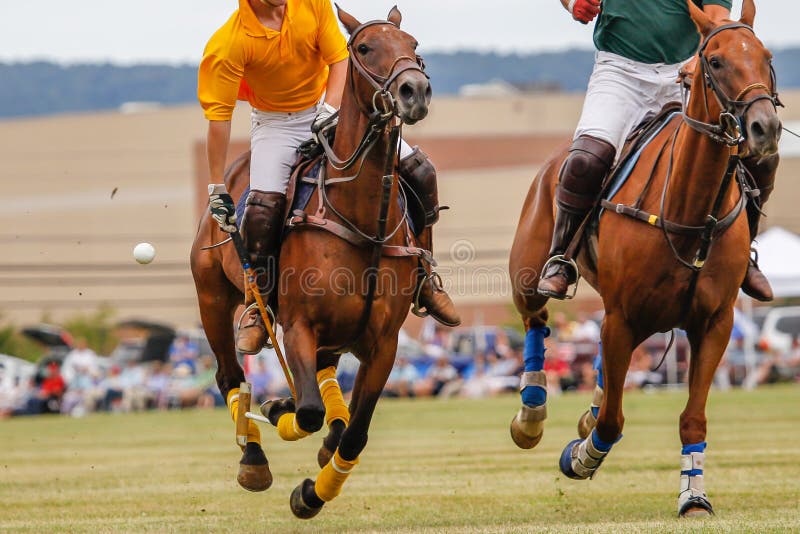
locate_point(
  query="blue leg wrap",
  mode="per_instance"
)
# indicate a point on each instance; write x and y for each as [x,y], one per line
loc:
[600,445]
[534,361]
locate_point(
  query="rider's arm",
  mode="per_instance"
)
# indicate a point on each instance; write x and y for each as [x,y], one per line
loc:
[336,79]
[583,11]
[219,136]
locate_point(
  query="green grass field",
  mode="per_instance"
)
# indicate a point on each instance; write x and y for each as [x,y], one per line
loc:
[430,466]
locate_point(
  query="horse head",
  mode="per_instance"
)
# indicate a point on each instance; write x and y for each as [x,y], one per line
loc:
[386,74]
[737,81]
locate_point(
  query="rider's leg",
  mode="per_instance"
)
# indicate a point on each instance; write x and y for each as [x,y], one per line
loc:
[763,170]
[274,138]
[418,172]
[581,177]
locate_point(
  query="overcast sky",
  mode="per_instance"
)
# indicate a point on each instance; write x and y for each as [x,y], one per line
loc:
[175,31]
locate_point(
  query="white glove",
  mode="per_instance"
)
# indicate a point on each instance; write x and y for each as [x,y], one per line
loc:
[222,209]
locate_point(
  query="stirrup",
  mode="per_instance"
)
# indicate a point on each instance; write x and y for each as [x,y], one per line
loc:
[436,282]
[570,263]
[268,343]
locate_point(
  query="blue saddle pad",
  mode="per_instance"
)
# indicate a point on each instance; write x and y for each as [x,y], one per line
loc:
[625,168]
[302,194]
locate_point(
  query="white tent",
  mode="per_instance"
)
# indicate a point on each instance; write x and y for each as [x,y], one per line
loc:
[779,259]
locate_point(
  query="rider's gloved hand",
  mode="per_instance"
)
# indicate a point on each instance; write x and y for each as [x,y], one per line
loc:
[584,11]
[222,210]
[326,115]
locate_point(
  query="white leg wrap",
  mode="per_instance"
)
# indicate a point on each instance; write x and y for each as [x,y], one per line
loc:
[586,458]
[691,484]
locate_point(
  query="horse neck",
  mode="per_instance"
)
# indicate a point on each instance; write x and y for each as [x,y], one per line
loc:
[359,200]
[698,168]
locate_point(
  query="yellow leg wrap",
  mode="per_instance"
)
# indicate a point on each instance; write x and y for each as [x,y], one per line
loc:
[331,479]
[335,408]
[253,433]
[288,429]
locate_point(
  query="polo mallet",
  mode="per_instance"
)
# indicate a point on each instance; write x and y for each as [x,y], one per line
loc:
[250,277]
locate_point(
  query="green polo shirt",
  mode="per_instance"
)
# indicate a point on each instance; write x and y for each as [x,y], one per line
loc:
[649,31]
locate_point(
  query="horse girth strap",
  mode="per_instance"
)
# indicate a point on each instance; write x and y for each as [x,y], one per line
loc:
[301,220]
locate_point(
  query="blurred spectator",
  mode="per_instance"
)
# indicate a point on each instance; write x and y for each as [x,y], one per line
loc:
[585,330]
[184,352]
[557,368]
[51,390]
[439,374]
[640,374]
[80,363]
[401,379]
[157,384]
[561,328]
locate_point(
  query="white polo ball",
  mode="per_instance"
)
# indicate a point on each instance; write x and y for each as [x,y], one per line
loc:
[144,253]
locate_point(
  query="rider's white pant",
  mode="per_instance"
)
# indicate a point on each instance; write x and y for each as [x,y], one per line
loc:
[621,92]
[274,138]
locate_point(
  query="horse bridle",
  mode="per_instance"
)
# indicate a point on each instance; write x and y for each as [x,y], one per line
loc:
[383,106]
[730,128]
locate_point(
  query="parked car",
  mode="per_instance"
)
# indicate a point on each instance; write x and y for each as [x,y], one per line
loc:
[781,327]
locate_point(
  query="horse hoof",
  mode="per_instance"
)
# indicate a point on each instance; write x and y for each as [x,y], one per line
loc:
[299,507]
[324,456]
[586,424]
[565,462]
[696,507]
[310,418]
[254,473]
[522,440]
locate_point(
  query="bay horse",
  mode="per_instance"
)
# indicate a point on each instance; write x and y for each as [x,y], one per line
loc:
[347,270]
[685,186]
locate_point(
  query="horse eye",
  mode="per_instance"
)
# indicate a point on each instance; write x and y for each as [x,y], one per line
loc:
[714,62]
[363,49]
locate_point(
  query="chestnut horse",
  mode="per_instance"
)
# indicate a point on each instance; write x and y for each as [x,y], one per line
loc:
[645,273]
[328,297]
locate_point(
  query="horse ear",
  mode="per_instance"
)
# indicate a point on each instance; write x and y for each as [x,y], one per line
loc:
[748,12]
[701,20]
[395,17]
[349,21]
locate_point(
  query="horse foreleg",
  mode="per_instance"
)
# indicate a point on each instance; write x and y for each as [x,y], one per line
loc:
[218,300]
[708,344]
[582,457]
[527,426]
[588,420]
[337,415]
[301,352]
[308,498]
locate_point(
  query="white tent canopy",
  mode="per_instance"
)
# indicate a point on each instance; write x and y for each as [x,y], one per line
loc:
[779,259]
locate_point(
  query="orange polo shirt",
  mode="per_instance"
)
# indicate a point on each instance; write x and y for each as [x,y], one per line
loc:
[284,70]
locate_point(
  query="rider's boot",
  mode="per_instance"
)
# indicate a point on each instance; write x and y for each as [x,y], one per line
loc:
[262,225]
[580,182]
[430,295]
[419,174]
[755,284]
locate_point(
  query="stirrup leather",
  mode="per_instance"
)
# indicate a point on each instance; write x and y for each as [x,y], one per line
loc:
[436,282]
[570,264]
[268,343]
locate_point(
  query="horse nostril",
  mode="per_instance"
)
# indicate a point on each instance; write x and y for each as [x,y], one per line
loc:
[756,130]
[406,92]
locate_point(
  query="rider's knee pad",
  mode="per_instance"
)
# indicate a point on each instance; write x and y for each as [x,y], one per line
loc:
[583,172]
[419,174]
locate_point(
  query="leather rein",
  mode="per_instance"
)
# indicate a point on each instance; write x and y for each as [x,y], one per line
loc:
[381,113]
[727,131]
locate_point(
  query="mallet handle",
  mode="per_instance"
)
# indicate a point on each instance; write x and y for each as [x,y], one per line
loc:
[244,259]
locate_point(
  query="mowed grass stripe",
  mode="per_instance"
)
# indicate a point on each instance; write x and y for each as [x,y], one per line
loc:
[430,466]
